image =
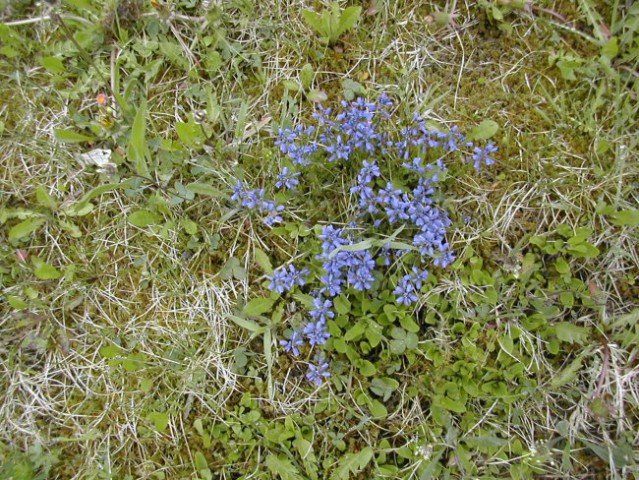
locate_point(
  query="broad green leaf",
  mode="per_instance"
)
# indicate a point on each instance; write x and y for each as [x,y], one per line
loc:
[384,387]
[160,420]
[568,332]
[261,258]
[138,150]
[626,217]
[190,133]
[80,207]
[355,331]
[25,228]
[314,20]
[16,302]
[205,189]
[484,130]
[377,408]
[342,305]
[44,271]
[306,75]
[282,467]
[44,199]
[258,306]
[110,351]
[200,461]
[352,463]
[347,19]
[143,218]
[70,136]
[365,367]
[53,65]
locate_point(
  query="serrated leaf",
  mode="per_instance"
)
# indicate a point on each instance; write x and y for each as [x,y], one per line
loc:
[160,420]
[282,467]
[568,332]
[44,199]
[258,306]
[25,228]
[567,375]
[44,271]
[69,136]
[315,21]
[484,130]
[143,218]
[352,463]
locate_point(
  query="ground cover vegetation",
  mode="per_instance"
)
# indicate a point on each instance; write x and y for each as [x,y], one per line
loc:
[319,240]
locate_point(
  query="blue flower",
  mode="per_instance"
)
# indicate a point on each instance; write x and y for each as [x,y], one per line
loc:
[322,309]
[293,343]
[316,332]
[284,280]
[317,373]
[409,286]
[287,179]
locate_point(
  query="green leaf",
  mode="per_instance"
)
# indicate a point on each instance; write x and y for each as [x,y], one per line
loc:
[258,306]
[352,463]
[44,199]
[365,367]
[138,150]
[261,258]
[484,130]
[306,75]
[160,420]
[377,408]
[69,136]
[347,19]
[110,351]
[282,467]
[143,218]
[567,375]
[568,332]
[355,331]
[205,189]
[249,325]
[356,247]
[314,20]
[626,217]
[16,302]
[53,65]
[190,133]
[384,387]
[342,305]
[44,271]
[25,228]
[80,207]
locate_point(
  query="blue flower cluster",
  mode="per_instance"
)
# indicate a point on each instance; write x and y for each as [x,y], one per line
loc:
[387,198]
[254,200]
[284,280]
